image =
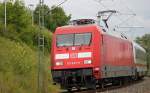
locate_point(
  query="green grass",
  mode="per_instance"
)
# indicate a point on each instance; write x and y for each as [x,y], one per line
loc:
[18,69]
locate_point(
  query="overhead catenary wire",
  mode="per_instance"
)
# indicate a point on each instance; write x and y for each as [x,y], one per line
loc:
[100,2]
[123,21]
[56,6]
[123,2]
[130,15]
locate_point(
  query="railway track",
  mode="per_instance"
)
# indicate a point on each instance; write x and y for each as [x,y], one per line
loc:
[140,86]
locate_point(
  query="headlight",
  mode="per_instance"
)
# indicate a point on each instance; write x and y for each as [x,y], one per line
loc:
[97,69]
[59,63]
[87,61]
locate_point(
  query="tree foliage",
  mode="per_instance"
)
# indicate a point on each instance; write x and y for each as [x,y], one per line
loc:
[17,15]
[145,42]
[53,17]
[44,8]
[19,25]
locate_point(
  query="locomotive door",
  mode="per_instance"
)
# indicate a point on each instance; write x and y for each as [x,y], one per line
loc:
[103,58]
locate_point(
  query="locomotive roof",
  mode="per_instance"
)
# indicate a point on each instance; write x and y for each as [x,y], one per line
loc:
[77,26]
[70,28]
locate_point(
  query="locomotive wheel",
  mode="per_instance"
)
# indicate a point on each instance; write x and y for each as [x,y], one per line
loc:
[69,89]
[135,77]
[102,86]
[115,83]
[78,88]
[92,84]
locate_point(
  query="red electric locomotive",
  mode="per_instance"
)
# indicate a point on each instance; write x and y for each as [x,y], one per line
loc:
[87,55]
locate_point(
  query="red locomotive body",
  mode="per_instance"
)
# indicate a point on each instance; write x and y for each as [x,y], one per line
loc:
[83,56]
[117,57]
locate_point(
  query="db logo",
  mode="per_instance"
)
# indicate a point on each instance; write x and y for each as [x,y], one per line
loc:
[74,55]
[73,48]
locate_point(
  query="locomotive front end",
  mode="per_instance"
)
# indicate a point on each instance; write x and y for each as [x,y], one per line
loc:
[72,57]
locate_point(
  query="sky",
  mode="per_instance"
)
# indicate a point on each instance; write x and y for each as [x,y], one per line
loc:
[89,9]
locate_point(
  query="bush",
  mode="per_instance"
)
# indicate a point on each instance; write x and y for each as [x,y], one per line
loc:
[19,68]
[30,37]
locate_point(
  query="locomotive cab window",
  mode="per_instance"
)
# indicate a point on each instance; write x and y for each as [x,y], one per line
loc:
[65,40]
[78,39]
[82,39]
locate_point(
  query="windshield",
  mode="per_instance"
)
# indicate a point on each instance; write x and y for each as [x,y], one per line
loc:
[73,39]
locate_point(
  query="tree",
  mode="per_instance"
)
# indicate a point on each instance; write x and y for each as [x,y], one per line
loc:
[56,17]
[145,42]
[19,25]
[36,14]
[17,15]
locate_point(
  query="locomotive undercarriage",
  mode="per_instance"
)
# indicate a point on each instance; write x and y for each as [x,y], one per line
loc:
[77,78]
